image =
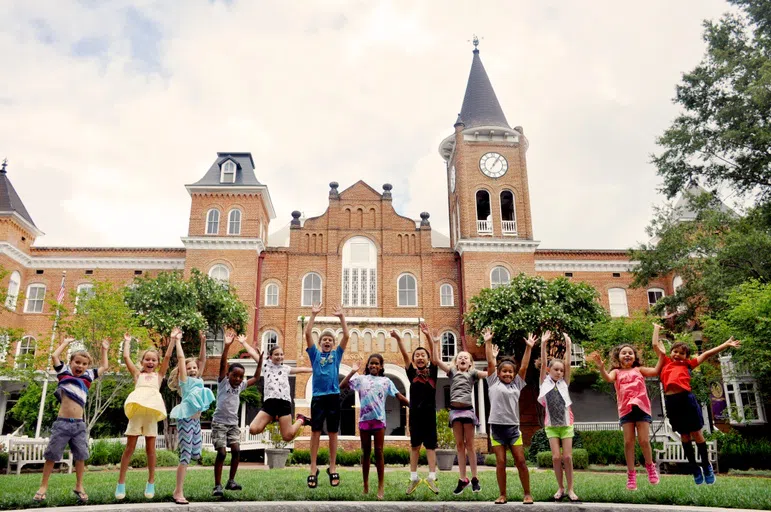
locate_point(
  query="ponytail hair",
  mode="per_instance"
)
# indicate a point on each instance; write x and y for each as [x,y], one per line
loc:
[173,381]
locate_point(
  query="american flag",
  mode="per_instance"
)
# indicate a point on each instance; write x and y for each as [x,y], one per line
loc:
[60,296]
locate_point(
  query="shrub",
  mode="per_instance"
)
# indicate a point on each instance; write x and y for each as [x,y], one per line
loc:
[115,452]
[347,457]
[400,456]
[490,460]
[139,459]
[607,447]
[207,458]
[167,458]
[304,457]
[444,436]
[392,456]
[737,452]
[580,459]
[3,461]
[99,454]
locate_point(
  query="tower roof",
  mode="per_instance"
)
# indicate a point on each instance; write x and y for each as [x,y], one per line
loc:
[10,202]
[244,171]
[480,105]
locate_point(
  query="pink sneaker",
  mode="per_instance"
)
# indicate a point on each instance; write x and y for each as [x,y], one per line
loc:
[631,480]
[653,475]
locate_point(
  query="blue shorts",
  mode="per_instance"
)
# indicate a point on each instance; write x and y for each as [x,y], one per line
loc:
[635,415]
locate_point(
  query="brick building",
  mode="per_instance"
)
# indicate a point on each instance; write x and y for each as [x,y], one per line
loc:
[388,271]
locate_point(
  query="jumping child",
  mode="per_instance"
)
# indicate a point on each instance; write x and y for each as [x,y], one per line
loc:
[69,428]
[144,408]
[422,375]
[195,399]
[462,376]
[683,410]
[634,406]
[558,423]
[373,388]
[277,404]
[505,382]
[325,404]
[225,431]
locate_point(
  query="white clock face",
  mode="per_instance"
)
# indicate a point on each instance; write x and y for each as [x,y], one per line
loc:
[452,179]
[493,165]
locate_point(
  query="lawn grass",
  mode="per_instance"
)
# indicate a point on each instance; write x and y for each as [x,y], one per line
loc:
[289,484]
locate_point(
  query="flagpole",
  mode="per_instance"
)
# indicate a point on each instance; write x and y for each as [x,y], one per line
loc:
[48,365]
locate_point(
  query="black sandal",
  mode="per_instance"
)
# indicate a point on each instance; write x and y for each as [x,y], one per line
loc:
[333,476]
[82,496]
[313,480]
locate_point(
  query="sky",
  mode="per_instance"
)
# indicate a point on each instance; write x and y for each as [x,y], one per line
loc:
[109,107]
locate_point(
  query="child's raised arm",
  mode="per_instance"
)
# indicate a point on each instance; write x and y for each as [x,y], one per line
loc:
[230,335]
[648,371]
[57,354]
[202,353]
[127,356]
[338,312]
[104,364]
[300,369]
[175,332]
[490,352]
[182,374]
[545,337]
[730,343]
[315,310]
[658,346]
[256,355]
[596,358]
[400,342]
[354,369]
[568,355]
[529,344]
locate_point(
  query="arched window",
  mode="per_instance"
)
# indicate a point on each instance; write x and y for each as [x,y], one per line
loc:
[220,272]
[215,341]
[269,340]
[228,172]
[617,300]
[445,295]
[484,218]
[508,215]
[359,273]
[677,282]
[13,290]
[234,222]
[25,350]
[36,294]
[654,295]
[271,295]
[213,222]
[499,276]
[83,292]
[311,289]
[407,290]
[449,346]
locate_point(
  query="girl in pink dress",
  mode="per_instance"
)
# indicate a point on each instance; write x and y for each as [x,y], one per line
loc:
[634,406]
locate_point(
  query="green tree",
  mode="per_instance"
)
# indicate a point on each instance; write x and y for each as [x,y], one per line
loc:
[11,370]
[723,134]
[26,409]
[531,304]
[102,313]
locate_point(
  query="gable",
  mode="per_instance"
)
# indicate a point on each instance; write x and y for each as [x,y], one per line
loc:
[360,191]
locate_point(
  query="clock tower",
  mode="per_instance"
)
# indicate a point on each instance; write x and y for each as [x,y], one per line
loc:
[486,168]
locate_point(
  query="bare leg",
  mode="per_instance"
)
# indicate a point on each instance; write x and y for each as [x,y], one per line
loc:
[431,456]
[468,433]
[259,422]
[218,463]
[500,472]
[288,429]
[366,455]
[380,462]
[524,475]
[47,470]
[315,441]
[567,459]
[629,445]
[556,462]
[332,452]
[644,438]
[179,490]
[235,458]
[151,458]
[460,447]
[80,470]
[131,444]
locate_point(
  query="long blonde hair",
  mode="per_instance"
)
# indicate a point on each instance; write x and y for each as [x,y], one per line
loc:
[174,375]
[145,352]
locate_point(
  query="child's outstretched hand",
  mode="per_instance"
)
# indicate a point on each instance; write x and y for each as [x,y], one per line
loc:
[595,357]
[106,344]
[316,309]
[230,335]
[487,334]
[395,334]
[355,366]
[127,337]
[530,340]
[242,340]
[425,330]
[338,311]
[733,343]
[66,341]
[496,351]
[566,337]
[546,336]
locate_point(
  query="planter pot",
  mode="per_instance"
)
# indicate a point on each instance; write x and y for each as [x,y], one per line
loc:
[444,459]
[276,457]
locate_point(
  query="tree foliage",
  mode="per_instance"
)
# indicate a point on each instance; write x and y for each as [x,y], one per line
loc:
[531,304]
[723,134]
[26,409]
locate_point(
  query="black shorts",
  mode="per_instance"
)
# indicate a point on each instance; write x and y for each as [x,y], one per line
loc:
[684,412]
[325,408]
[504,435]
[635,415]
[276,408]
[423,429]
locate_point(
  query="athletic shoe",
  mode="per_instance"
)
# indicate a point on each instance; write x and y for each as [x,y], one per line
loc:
[149,491]
[431,483]
[698,476]
[631,480]
[120,491]
[232,486]
[306,420]
[462,484]
[413,485]
[218,491]
[475,487]
[709,475]
[653,475]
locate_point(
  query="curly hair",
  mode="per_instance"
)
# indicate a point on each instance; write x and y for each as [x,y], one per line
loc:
[382,363]
[174,375]
[616,363]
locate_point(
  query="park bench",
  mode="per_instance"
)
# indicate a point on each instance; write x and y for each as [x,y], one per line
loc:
[672,453]
[23,451]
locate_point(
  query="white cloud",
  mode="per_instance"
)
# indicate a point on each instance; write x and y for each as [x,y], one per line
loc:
[100,146]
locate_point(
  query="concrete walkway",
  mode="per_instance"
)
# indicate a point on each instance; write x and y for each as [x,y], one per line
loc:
[384,506]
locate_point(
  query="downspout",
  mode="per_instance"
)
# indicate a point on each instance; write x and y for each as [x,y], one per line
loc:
[461,303]
[257,294]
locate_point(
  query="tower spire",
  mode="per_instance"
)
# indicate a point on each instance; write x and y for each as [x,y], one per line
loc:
[480,104]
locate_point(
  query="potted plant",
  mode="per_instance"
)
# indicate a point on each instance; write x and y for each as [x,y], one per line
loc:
[445,445]
[276,456]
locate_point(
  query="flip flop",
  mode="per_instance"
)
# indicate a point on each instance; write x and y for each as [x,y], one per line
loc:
[39,497]
[528,502]
[313,480]
[333,476]
[574,498]
[181,502]
[558,496]
[82,496]
[499,502]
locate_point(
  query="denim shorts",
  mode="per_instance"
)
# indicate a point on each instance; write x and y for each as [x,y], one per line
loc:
[635,415]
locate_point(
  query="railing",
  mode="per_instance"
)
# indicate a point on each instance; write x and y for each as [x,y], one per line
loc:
[658,427]
[484,226]
[509,227]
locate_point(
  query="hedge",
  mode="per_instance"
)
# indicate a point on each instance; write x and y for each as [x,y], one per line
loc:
[105,452]
[580,459]
[540,443]
[607,447]
[207,458]
[737,452]
[391,455]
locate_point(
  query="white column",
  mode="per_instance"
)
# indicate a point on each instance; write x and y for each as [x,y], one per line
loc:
[3,404]
[243,415]
[482,428]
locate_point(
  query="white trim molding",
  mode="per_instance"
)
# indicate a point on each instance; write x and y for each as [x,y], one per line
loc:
[585,266]
[90,263]
[226,188]
[25,224]
[350,320]
[224,244]
[487,245]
